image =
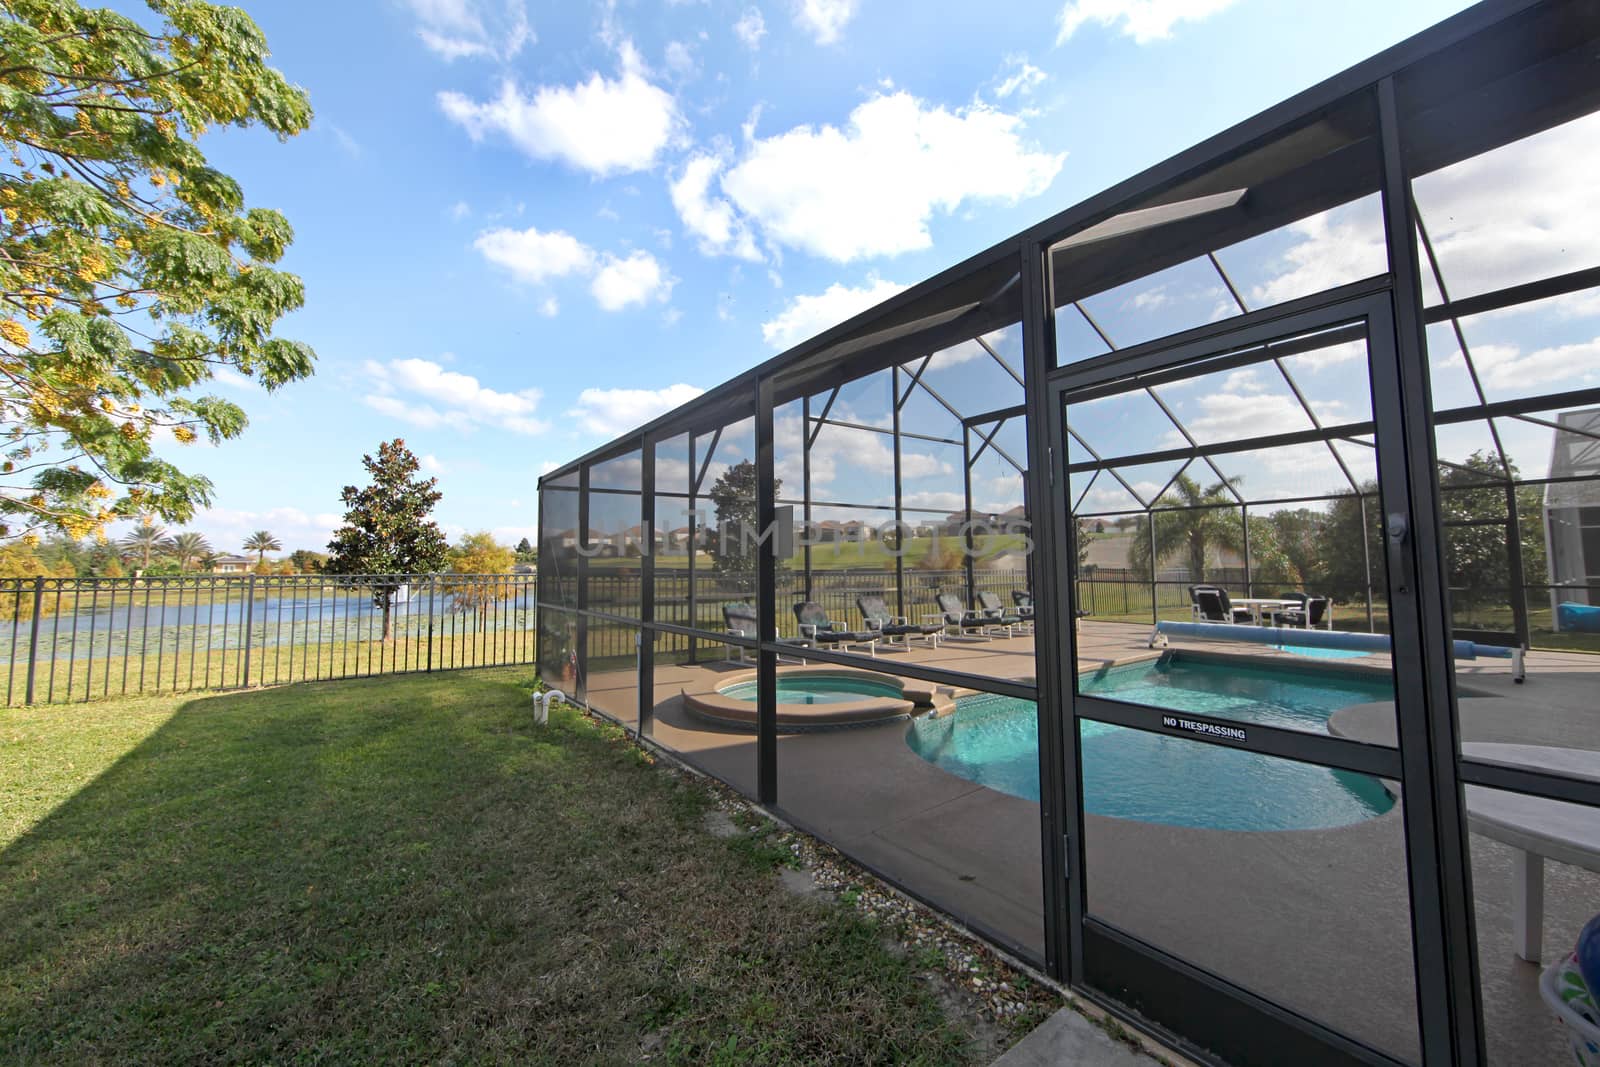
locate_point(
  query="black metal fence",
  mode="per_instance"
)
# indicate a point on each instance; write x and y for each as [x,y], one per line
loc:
[836,590]
[74,639]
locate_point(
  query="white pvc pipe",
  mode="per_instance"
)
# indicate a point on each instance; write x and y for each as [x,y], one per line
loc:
[541,704]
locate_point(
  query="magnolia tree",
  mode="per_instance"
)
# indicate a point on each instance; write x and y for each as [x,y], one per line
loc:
[387,529]
[131,271]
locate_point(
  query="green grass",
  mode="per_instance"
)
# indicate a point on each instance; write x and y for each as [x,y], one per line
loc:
[406,870]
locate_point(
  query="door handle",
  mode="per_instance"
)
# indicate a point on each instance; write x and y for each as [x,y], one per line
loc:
[1398,531]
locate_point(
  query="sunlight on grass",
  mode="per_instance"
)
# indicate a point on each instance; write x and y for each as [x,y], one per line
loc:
[47,754]
[405,870]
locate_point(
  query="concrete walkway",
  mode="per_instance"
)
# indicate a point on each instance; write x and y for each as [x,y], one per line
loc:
[1069,1038]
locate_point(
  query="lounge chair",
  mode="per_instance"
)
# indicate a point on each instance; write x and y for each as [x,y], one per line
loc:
[989,604]
[815,626]
[740,620]
[958,620]
[1314,614]
[876,615]
[1212,605]
[1022,600]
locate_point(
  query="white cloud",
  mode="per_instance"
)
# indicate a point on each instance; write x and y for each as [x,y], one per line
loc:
[871,187]
[1147,300]
[638,279]
[234,380]
[680,60]
[750,28]
[341,137]
[1341,245]
[431,464]
[1505,367]
[1018,76]
[1143,20]
[460,29]
[535,256]
[808,315]
[824,19]
[1528,210]
[604,125]
[612,412]
[460,210]
[934,501]
[1247,413]
[448,398]
[1323,358]
[712,219]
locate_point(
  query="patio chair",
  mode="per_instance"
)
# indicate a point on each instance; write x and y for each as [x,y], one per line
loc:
[959,621]
[1315,614]
[739,620]
[875,613]
[815,626]
[1022,599]
[989,604]
[1212,605]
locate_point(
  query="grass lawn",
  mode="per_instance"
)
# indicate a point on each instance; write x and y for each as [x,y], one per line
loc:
[405,870]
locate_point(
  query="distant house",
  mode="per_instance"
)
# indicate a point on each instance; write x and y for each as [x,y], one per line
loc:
[233,565]
[831,531]
[1013,520]
[1572,510]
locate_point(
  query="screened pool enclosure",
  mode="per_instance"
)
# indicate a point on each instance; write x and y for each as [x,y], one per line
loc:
[1113,591]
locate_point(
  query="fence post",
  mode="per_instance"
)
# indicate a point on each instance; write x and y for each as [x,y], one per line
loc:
[249,617]
[33,634]
[431,581]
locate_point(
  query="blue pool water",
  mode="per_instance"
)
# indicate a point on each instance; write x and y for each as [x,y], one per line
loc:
[1134,774]
[816,690]
[1323,653]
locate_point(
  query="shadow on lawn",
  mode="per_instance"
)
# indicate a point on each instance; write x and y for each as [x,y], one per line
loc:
[257,866]
[406,869]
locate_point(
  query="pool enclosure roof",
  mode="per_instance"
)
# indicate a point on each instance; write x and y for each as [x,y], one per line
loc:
[1499,71]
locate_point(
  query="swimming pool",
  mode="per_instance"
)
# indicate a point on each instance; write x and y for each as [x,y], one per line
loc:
[1135,774]
[817,689]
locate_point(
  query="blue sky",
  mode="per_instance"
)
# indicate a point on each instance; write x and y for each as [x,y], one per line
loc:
[525,228]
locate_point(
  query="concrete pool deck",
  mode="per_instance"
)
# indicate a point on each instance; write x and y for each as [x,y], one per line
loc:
[1281,913]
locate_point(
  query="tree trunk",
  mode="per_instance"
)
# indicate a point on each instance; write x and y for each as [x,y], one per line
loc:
[388,618]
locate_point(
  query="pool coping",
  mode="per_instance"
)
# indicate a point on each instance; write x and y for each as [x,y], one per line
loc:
[915,698]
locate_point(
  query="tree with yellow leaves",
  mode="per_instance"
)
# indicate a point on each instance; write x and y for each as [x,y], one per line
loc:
[130,270]
[480,555]
[19,566]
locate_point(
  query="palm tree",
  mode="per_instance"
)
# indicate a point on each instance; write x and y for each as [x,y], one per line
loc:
[142,543]
[208,560]
[1189,520]
[261,542]
[186,548]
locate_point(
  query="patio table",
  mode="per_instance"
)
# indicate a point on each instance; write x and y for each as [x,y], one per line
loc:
[1535,828]
[1257,603]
